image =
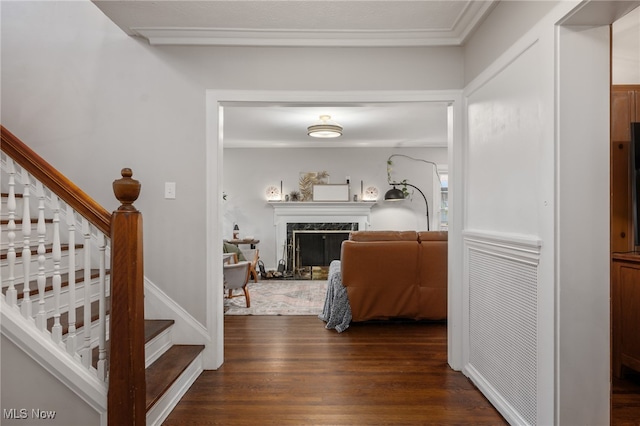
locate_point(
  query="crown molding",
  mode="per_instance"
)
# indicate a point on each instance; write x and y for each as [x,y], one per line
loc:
[298,24]
[296,38]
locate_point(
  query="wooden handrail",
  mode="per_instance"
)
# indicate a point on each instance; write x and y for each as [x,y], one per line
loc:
[54,180]
[126,403]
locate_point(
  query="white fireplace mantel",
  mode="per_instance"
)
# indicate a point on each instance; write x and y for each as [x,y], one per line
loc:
[318,212]
[322,209]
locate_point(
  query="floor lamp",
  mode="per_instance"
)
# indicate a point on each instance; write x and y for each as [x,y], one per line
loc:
[394,194]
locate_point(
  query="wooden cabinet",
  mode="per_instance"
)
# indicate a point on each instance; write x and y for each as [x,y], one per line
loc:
[625,299]
[625,262]
[625,108]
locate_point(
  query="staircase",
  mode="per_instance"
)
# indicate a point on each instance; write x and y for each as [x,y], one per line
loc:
[58,303]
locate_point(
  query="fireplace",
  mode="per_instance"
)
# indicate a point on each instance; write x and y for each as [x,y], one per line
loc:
[312,246]
[322,226]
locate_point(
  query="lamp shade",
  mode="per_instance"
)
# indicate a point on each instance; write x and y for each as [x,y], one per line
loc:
[325,128]
[394,194]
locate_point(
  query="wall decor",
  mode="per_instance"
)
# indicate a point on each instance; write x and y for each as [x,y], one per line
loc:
[307,180]
[294,196]
[327,192]
[273,193]
[370,194]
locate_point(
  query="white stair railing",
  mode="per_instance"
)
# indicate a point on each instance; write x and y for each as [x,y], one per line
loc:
[11,235]
[71,232]
[56,330]
[123,397]
[102,308]
[46,213]
[26,245]
[85,353]
[41,318]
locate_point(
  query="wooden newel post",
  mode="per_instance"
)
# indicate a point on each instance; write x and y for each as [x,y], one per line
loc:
[126,398]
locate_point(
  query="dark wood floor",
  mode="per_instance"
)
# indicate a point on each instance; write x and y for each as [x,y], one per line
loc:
[290,370]
[625,400]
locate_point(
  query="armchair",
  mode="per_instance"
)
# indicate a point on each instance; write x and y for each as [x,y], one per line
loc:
[252,256]
[236,276]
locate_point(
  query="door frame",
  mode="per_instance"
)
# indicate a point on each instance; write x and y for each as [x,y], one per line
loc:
[215,105]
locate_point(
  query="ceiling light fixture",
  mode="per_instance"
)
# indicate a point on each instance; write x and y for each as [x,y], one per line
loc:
[325,128]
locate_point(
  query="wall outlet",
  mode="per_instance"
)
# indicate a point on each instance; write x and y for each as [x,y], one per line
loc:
[170,190]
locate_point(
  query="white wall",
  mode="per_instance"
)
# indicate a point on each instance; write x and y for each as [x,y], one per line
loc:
[583,252]
[75,86]
[508,21]
[248,173]
[509,228]
[536,202]
[626,49]
[26,385]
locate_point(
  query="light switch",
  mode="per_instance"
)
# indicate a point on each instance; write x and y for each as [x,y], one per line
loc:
[170,190]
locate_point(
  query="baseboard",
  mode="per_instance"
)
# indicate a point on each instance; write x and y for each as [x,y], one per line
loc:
[496,399]
[186,329]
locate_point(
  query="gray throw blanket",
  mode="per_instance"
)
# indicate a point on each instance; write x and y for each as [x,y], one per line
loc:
[337,311]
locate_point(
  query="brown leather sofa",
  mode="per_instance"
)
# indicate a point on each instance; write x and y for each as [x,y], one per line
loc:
[395,274]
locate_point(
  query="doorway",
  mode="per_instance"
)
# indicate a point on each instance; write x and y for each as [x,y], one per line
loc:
[217,101]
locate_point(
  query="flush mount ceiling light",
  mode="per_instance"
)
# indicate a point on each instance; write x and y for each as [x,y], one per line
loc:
[325,128]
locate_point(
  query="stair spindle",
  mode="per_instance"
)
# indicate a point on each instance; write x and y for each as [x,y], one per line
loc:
[56,331]
[41,317]
[85,353]
[12,294]
[102,310]
[71,228]
[26,247]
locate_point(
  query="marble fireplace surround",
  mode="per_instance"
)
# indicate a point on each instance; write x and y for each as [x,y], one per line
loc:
[321,213]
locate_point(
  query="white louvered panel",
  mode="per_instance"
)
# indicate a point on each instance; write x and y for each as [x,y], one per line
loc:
[503,327]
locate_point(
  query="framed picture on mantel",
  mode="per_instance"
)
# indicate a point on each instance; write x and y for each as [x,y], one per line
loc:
[331,192]
[308,179]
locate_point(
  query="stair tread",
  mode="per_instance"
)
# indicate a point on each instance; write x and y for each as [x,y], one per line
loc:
[34,250]
[154,327]
[64,316]
[33,284]
[34,222]
[151,329]
[167,369]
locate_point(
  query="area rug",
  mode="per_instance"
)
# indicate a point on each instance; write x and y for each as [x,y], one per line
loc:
[286,297]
